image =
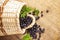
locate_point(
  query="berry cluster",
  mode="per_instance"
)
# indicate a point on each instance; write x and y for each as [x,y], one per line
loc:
[35,29]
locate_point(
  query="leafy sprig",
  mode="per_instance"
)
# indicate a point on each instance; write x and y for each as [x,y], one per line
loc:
[27,37]
[24,11]
[36,12]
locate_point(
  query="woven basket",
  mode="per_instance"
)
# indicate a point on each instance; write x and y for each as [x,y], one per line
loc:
[10,18]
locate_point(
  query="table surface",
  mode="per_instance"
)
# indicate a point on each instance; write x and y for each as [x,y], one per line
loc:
[50,21]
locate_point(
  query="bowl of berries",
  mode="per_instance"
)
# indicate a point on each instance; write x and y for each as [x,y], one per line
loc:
[15,18]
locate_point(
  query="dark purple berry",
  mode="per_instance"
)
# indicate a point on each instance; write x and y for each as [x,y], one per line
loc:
[29,13]
[47,11]
[38,26]
[35,29]
[25,22]
[41,15]
[37,17]
[34,36]
[41,11]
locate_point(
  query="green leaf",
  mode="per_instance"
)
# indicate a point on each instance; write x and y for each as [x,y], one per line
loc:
[23,14]
[28,9]
[36,12]
[27,37]
[24,11]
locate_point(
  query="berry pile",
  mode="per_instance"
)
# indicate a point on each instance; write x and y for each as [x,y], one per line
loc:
[24,22]
[35,29]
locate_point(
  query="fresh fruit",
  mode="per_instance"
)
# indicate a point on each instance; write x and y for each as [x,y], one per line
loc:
[41,15]
[37,17]
[35,29]
[47,11]
[25,22]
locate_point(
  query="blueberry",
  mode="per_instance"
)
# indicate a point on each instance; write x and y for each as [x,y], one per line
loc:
[32,33]
[25,22]
[38,26]
[41,15]
[29,13]
[39,36]
[37,18]
[47,11]
[35,25]
[23,25]
[34,36]
[35,29]
[42,30]
[21,19]
[41,11]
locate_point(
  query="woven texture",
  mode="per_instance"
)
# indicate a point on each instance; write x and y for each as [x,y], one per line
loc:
[10,17]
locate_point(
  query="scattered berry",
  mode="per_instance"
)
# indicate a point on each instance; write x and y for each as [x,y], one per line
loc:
[29,13]
[35,29]
[37,17]
[47,11]
[41,15]
[41,11]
